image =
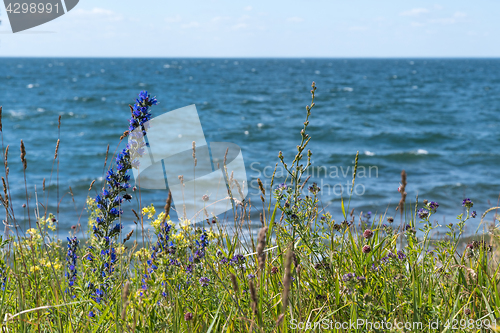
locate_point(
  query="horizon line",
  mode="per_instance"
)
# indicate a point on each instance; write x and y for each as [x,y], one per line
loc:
[257,57]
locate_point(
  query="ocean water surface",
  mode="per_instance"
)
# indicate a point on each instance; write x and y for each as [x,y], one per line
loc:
[438,119]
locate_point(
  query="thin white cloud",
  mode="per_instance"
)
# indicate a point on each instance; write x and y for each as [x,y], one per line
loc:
[220,19]
[444,21]
[233,23]
[358,28]
[173,19]
[415,12]
[94,11]
[458,17]
[438,7]
[98,13]
[239,26]
[190,25]
[295,19]
[248,8]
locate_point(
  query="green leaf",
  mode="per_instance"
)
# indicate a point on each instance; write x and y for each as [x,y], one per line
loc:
[343,209]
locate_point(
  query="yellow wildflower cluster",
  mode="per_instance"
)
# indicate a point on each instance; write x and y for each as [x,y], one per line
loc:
[212,235]
[185,225]
[142,253]
[48,222]
[45,263]
[179,238]
[151,211]
[156,223]
[33,233]
[35,268]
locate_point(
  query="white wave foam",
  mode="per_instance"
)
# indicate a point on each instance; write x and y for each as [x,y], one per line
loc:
[369,153]
[16,114]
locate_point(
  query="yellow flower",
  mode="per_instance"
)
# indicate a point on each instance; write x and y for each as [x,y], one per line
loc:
[32,232]
[55,265]
[156,223]
[120,249]
[48,264]
[34,269]
[151,211]
[179,238]
[185,225]
[50,224]
[211,235]
[142,253]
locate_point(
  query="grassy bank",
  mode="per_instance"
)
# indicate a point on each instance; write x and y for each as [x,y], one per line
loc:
[304,271]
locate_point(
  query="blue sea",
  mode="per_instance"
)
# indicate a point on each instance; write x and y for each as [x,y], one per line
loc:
[437,119]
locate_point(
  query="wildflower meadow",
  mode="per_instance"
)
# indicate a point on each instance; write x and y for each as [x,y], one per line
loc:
[300,271]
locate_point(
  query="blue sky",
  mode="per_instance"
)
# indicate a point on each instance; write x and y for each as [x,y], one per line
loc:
[292,28]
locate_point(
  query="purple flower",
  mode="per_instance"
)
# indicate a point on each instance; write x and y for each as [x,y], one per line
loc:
[282,186]
[204,281]
[467,203]
[401,255]
[348,277]
[423,213]
[473,214]
[71,262]
[237,259]
[188,316]
[432,205]
[368,234]
[175,262]
[314,188]
[366,249]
